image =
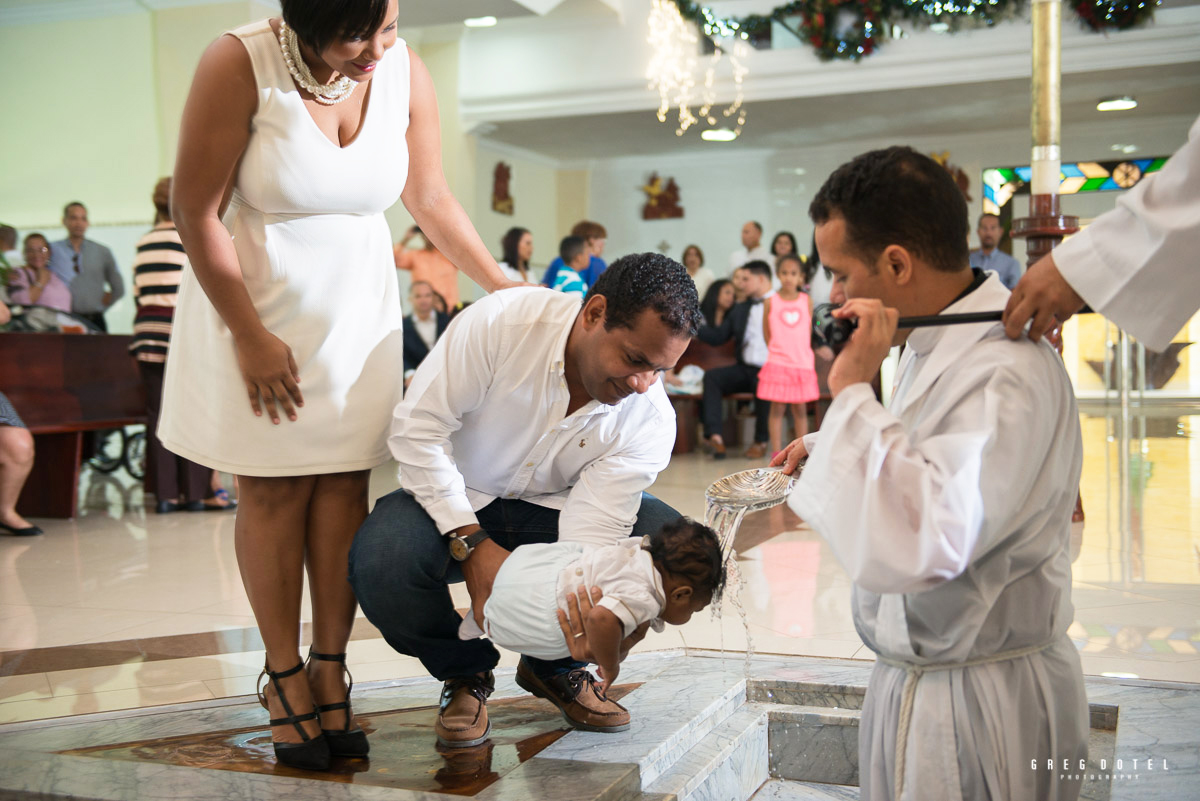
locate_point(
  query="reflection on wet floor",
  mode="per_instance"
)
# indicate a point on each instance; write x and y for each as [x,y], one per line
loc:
[404,751]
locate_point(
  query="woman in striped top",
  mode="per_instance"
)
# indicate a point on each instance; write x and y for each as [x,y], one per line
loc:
[157,269]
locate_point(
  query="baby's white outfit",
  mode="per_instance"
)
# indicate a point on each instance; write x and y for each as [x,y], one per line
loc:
[532,585]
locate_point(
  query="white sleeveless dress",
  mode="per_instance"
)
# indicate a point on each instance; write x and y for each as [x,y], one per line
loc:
[316,254]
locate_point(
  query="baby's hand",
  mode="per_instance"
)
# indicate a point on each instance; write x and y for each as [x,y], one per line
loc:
[608,676]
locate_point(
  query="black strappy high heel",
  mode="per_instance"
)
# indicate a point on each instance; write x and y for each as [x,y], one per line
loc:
[313,752]
[342,742]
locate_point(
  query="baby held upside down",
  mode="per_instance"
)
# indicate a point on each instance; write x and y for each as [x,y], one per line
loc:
[664,577]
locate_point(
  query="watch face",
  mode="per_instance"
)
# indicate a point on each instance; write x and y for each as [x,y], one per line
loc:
[459,549]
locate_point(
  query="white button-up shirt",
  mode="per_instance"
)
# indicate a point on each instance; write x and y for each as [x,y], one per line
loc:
[486,418]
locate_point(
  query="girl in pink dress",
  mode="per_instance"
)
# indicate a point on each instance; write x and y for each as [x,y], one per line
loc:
[788,378]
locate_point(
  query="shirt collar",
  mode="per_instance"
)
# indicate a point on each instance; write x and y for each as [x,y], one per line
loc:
[923,340]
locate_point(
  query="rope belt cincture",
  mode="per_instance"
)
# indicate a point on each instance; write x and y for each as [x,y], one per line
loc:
[914,672]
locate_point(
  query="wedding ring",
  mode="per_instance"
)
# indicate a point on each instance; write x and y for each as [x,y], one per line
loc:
[580,634]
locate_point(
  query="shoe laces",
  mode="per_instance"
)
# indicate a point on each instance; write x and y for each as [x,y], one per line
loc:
[479,686]
[579,677]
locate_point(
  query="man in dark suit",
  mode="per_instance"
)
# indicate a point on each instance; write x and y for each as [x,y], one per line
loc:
[743,325]
[422,328]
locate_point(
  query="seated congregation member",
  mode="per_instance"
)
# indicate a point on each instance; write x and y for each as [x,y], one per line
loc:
[693,260]
[533,420]
[718,300]
[428,264]
[951,508]
[662,577]
[744,325]
[595,237]
[517,245]
[16,461]
[34,283]
[422,328]
[573,253]
[180,483]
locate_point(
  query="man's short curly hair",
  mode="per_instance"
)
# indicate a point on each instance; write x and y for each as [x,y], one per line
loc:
[641,281]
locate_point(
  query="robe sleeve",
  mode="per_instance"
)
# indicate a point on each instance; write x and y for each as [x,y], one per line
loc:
[1137,264]
[904,518]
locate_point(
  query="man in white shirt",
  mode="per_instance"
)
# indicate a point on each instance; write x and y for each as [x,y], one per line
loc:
[752,248]
[1136,265]
[744,325]
[422,328]
[951,508]
[530,417]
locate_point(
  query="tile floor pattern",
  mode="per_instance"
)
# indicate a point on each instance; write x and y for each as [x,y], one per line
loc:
[155,613]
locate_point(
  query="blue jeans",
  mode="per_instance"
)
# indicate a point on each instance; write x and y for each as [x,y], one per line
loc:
[400,569]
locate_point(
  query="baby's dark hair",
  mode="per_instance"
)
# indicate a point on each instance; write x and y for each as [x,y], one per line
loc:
[691,552]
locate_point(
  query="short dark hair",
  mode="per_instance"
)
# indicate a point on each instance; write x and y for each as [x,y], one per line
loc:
[758,267]
[690,552]
[979,222]
[757,225]
[320,23]
[508,246]
[8,234]
[36,235]
[897,196]
[73,203]
[570,248]
[641,281]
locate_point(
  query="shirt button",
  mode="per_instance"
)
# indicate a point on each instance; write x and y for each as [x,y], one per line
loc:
[579,571]
[529,464]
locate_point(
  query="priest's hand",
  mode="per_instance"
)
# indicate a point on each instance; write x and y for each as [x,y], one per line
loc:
[1042,295]
[859,361]
[791,456]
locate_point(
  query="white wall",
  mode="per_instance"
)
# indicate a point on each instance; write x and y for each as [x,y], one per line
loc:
[721,191]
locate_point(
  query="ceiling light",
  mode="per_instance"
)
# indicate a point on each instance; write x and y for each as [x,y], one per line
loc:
[479,22]
[1125,149]
[718,135]
[1116,104]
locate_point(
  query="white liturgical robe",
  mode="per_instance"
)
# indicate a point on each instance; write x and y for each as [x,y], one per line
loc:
[951,512]
[1139,264]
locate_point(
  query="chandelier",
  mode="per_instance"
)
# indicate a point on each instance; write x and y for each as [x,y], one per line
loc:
[673,67]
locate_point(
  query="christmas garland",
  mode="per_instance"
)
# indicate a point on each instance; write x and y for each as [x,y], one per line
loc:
[820,26]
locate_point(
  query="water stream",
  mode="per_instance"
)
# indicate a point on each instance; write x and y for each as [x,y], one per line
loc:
[727,502]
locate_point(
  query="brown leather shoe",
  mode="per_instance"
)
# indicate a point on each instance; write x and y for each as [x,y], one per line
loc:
[578,698]
[756,451]
[717,445]
[462,721]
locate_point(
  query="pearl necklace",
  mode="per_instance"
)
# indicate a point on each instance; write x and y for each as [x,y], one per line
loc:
[325,93]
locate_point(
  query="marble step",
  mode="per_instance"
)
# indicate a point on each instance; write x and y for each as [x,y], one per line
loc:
[783,790]
[814,744]
[729,763]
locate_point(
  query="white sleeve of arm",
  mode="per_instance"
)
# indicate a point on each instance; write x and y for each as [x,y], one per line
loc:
[904,518]
[1137,264]
[453,380]
[602,506]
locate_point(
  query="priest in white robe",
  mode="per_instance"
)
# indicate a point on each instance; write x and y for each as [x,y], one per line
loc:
[951,508]
[1138,265]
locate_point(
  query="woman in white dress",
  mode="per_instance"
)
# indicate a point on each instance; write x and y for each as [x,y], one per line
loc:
[286,357]
[517,247]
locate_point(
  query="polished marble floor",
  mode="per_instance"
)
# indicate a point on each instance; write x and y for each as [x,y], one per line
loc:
[122,608]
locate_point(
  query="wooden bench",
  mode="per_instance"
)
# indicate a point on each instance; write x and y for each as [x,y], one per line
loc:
[687,405]
[64,385]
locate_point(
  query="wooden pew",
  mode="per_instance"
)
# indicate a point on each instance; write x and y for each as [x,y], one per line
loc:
[64,385]
[687,406]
